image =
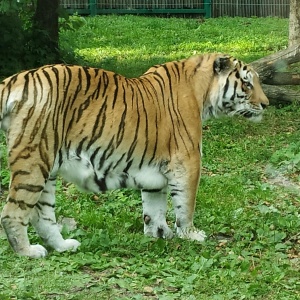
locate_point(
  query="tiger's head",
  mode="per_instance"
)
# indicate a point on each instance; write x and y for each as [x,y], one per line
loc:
[235,91]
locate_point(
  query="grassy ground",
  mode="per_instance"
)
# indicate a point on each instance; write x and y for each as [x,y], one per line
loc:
[248,202]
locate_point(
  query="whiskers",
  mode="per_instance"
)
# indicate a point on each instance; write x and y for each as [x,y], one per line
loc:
[253,113]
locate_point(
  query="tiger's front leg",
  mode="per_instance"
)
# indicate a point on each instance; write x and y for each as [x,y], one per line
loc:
[183,185]
[154,213]
[44,221]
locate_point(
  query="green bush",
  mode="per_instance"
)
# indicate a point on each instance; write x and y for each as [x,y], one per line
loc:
[23,46]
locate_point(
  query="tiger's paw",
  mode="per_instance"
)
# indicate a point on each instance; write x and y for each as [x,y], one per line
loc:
[34,251]
[161,231]
[191,233]
[68,245]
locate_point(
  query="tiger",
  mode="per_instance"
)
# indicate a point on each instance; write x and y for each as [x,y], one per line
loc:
[103,131]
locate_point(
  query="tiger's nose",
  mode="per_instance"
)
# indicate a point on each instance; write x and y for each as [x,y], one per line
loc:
[263,105]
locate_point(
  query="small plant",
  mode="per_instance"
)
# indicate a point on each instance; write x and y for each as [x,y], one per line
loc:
[72,23]
[288,158]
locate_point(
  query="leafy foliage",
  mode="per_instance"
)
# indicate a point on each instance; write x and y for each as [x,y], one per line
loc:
[13,15]
[71,23]
[23,46]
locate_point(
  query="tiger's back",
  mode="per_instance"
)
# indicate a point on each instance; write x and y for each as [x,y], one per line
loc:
[103,131]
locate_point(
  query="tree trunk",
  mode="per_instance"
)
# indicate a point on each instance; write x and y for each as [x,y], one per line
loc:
[280,95]
[294,23]
[46,26]
[283,78]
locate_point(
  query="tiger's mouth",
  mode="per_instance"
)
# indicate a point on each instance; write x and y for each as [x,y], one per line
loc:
[254,117]
[252,113]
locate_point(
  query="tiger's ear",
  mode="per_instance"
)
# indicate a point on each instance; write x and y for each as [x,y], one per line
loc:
[222,64]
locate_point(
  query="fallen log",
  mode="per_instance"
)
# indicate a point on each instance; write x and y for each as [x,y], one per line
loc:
[283,78]
[280,95]
[269,68]
[267,65]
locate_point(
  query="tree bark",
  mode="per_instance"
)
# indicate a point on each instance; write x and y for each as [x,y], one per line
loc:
[46,25]
[280,95]
[294,23]
[283,78]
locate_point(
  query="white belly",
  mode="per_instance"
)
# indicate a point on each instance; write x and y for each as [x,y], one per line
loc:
[80,171]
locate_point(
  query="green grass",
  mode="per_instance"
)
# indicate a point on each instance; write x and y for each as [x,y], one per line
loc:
[130,44]
[252,249]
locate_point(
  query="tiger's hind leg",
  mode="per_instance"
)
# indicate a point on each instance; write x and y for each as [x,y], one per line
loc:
[154,213]
[44,221]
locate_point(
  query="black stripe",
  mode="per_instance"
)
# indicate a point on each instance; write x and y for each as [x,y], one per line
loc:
[63,106]
[78,86]
[5,217]
[119,161]
[93,156]
[80,145]
[175,64]
[87,79]
[46,204]
[156,78]
[60,158]
[19,172]
[27,151]
[101,183]
[146,136]
[107,152]
[135,138]
[45,172]
[198,64]
[234,91]
[175,192]
[128,166]
[156,141]
[45,136]
[96,92]
[72,119]
[22,204]
[171,99]
[105,82]
[151,190]
[82,107]
[115,97]
[29,187]
[121,129]
[226,87]
[56,85]
[99,124]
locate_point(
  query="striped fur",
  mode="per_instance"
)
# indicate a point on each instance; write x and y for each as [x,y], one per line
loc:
[103,131]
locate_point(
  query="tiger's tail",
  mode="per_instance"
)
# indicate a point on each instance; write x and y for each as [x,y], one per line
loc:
[2,105]
[7,101]
[2,102]
[4,120]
